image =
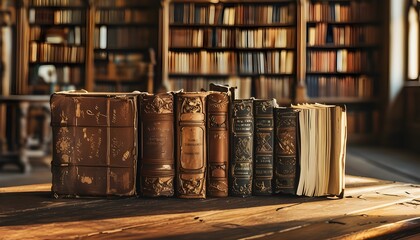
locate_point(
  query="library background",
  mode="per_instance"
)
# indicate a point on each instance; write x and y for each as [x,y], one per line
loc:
[361,53]
[331,52]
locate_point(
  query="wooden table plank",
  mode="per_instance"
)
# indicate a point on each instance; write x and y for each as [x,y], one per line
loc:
[30,211]
[368,224]
[256,221]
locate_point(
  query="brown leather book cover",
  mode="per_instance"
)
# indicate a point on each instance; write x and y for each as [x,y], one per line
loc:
[157,157]
[191,145]
[218,143]
[223,88]
[286,162]
[263,146]
[242,136]
[94,144]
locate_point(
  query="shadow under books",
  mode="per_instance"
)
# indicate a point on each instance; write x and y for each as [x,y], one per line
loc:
[27,208]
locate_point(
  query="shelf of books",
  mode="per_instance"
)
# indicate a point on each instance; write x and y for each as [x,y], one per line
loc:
[248,44]
[57,37]
[343,57]
[125,42]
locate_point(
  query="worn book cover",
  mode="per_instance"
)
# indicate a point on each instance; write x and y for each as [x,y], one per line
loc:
[224,88]
[286,162]
[218,143]
[242,135]
[157,157]
[94,144]
[263,147]
[191,160]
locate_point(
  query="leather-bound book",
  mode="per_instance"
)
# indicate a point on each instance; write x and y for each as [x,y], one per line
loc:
[191,160]
[242,135]
[286,162]
[223,88]
[263,147]
[157,157]
[94,144]
[217,144]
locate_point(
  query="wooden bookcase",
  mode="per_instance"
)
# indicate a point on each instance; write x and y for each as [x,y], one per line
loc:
[52,45]
[326,51]
[7,29]
[94,45]
[125,43]
[249,44]
[343,60]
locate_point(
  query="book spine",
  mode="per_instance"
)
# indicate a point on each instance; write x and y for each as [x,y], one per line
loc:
[242,133]
[263,147]
[286,172]
[191,144]
[218,144]
[157,158]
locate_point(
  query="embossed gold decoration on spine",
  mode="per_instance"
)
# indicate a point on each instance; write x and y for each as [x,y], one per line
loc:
[158,186]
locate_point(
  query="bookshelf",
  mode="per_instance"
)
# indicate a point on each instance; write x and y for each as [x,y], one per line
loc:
[125,40]
[53,46]
[94,45]
[329,49]
[249,44]
[343,57]
[7,29]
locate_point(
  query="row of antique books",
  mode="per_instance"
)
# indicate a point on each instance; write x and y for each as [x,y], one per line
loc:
[323,33]
[230,62]
[348,86]
[231,38]
[62,53]
[194,145]
[342,11]
[52,16]
[191,13]
[342,60]
[121,38]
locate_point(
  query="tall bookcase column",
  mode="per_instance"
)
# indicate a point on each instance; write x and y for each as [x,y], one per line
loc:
[89,60]
[300,87]
[7,48]
[163,44]
[343,55]
[244,43]
[125,44]
[52,40]
[22,41]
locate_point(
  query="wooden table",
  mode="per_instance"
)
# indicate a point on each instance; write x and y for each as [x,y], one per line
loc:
[18,124]
[370,208]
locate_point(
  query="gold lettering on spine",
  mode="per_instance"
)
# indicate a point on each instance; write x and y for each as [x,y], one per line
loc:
[192,147]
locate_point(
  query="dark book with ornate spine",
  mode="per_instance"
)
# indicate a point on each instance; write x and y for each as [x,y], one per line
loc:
[94,144]
[191,160]
[218,143]
[242,135]
[286,162]
[157,155]
[263,147]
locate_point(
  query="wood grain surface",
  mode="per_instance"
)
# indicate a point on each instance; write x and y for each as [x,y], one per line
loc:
[370,208]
